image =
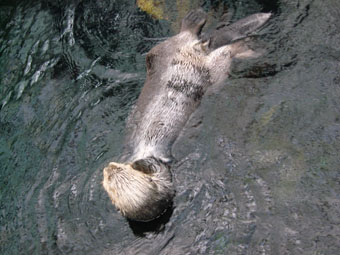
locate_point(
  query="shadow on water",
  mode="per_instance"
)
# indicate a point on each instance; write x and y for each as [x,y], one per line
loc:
[269,6]
[155,226]
[256,167]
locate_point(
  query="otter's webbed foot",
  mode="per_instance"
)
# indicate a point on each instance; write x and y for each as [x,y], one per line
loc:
[194,21]
[240,29]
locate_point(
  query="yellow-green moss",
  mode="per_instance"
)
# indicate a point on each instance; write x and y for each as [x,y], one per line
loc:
[152,7]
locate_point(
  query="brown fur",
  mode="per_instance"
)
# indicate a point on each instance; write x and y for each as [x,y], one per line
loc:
[179,71]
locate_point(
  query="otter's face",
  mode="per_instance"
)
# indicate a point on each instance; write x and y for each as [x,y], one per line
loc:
[142,190]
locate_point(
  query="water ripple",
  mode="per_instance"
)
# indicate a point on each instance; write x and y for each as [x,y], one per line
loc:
[256,166]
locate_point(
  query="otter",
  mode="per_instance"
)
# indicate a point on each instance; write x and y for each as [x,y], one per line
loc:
[179,71]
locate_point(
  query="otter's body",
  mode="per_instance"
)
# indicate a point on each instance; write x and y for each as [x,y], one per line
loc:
[168,99]
[179,71]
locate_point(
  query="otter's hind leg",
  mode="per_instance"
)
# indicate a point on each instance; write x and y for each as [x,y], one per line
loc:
[236,31]
[194,21]
[221,58]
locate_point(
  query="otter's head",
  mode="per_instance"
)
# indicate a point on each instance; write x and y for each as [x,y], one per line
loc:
[141,190]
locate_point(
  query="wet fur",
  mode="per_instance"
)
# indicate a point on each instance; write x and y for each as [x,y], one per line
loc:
[140,189]
[179,71]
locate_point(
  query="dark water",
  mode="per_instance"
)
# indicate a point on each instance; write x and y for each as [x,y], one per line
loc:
[257,168]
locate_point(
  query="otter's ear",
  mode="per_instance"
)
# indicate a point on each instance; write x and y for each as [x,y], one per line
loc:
[144,165]
[194,21]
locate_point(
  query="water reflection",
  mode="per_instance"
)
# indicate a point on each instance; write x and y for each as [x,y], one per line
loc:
[256,168]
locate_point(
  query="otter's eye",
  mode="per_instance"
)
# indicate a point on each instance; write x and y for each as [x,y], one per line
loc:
[119,169]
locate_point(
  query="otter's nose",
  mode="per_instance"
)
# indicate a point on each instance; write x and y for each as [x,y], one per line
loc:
[106,171]
[109,169]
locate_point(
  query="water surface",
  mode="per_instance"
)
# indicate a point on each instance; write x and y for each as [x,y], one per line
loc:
[257,166]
